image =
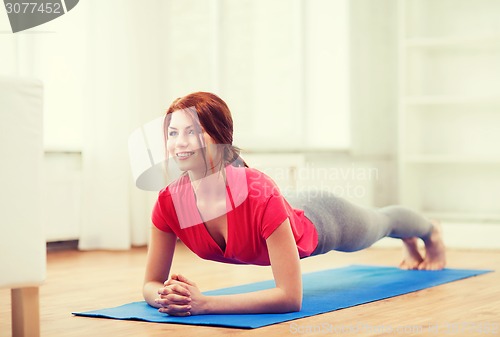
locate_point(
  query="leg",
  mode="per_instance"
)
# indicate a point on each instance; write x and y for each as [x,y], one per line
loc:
[25,312]
[347,227]
[435,251]
[408,226]
[411,256]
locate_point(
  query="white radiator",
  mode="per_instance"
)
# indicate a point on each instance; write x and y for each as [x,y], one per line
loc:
[62,196]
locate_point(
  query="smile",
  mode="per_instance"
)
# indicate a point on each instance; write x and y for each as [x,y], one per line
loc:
[184,155]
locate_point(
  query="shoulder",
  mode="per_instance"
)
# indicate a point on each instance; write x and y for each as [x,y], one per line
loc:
[171,194]
[252,174]
[177,186]
[260,184]
[164,210]
[247,174]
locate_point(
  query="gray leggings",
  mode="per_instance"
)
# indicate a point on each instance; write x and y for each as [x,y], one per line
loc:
[346,227]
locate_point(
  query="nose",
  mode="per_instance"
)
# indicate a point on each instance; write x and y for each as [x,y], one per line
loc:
[181,141]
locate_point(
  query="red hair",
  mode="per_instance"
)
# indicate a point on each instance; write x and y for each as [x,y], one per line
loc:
[214,118]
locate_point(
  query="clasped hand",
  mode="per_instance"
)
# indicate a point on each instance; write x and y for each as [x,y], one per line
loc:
[180,297]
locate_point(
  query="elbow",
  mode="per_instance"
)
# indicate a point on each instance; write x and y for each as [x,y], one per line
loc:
[145,290]
[145,294]
[296,305]
[293,304]
[292,300]
[149,293]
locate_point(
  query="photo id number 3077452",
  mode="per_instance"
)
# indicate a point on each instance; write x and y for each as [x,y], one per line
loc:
[33,7]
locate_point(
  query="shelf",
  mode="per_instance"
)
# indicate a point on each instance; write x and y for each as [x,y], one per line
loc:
[451,159]
[453,41]
[449,112]
[450,100]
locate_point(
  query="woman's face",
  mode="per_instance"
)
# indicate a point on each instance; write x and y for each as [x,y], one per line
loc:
[183,143]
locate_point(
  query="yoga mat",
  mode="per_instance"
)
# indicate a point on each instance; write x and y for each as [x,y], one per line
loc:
[324,291]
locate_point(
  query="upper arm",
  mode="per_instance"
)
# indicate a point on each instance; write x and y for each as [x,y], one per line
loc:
[160,254]
[285,262]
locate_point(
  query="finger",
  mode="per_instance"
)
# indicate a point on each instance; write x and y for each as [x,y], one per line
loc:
[179,277]
[184,279]
[173,284]
[182,314]
[168,301]
[173,277]
[176,310]
[165,290]
[174,289]
[171,281]
[180,289]
[173,299]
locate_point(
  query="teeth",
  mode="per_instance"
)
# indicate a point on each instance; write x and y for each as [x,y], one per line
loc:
[184,154]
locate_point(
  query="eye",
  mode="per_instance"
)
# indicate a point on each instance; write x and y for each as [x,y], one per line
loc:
[172,133]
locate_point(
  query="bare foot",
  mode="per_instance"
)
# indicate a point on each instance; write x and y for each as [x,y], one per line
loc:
[411,256]
[435,251]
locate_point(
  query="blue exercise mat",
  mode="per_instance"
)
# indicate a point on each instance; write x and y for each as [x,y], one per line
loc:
[324,291]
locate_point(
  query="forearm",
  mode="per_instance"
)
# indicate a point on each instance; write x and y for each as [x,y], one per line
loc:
[159,259]
[150,292]
[274,300]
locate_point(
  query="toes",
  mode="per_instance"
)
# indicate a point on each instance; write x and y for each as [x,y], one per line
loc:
[430,265]
[406,265]
[434,267]
[423,265]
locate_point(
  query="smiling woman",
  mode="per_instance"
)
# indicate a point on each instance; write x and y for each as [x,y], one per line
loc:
[227,212]
[207,119]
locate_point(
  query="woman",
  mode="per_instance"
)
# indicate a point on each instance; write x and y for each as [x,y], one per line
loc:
[224,211]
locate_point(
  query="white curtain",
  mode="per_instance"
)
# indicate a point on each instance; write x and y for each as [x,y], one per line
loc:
[125,91]
[101,65]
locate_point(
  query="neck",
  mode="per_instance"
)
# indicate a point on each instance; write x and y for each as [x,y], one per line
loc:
[212,184]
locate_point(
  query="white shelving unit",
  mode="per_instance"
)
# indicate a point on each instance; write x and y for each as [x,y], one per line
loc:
[449,109]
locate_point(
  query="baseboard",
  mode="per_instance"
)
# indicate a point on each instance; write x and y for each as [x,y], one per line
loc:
[54,246]
[461,236]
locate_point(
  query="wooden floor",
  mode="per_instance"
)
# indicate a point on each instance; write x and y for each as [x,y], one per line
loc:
[79,281]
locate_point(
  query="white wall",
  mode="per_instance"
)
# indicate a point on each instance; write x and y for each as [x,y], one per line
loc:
[312,85]
[281,65]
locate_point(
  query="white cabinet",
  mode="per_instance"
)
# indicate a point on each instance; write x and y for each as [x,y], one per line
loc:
[449,109]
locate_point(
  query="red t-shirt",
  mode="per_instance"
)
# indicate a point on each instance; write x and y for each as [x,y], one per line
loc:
[254,208]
